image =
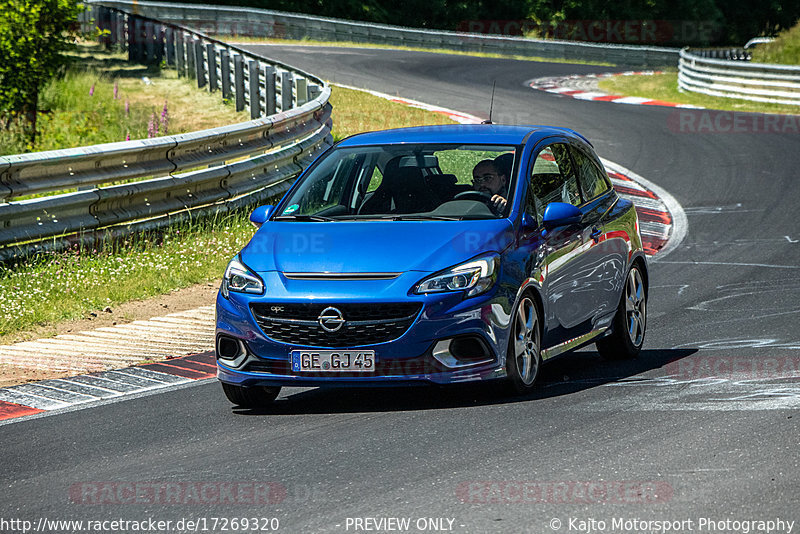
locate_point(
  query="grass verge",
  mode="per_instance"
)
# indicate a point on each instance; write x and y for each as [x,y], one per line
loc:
[102,98]
[62,286]
[357,111]
[348,44]
[69,285]
[665,87]
[784,50]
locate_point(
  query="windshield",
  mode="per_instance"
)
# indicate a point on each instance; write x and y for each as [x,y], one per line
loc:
[406,182]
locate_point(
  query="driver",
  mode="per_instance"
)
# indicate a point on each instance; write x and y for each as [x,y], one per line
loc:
[488,178]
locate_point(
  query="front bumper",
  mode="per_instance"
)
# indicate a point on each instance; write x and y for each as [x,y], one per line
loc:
[406,360]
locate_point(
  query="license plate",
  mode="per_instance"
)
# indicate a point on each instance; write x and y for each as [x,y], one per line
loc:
[333,361]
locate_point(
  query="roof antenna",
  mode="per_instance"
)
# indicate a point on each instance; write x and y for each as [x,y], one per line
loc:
[491,106]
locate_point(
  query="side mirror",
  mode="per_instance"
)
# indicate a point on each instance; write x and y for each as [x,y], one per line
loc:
[260,215]
[528,222]
[560,214]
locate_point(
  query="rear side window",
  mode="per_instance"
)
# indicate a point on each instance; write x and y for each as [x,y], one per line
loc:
[553,179]
[592,179]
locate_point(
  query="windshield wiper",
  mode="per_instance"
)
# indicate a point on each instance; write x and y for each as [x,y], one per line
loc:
[427,218]
[398,217]
[385,217]
[439,217]
[303,218]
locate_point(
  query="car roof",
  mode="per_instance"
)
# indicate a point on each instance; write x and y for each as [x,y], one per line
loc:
[492,134]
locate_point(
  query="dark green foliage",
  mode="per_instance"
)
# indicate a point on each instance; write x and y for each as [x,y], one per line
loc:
[752,18]
[734,22]
[33,36]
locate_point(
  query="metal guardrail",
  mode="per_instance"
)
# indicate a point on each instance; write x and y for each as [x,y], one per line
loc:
[737,77]
[251,22]
[732,54]
[187,175]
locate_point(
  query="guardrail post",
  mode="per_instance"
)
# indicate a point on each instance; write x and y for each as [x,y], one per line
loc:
[302,91]
[169,36]
[111,20]
[199,68]
[133,53]
[84,18]
[225,71]
[270,98]
[121,40]
[287,84]
[238,80]
[118,30]
[104,25]
[180,53]
[150,42]
[189,42]
[159,44]
[211,54]
[141,52]
[254,89]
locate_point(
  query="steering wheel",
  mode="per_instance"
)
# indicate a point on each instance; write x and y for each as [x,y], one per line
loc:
[480,196]
[474,195]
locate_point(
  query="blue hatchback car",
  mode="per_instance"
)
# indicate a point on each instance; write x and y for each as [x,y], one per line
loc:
[440,254]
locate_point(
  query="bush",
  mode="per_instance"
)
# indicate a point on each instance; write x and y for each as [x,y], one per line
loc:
[34,34]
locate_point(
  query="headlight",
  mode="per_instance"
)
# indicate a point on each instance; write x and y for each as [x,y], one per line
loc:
[475,277]
[239,278]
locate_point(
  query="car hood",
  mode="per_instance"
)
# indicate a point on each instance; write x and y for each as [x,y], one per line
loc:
[372,246]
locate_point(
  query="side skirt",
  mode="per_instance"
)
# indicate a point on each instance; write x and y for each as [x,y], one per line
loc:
[571,344]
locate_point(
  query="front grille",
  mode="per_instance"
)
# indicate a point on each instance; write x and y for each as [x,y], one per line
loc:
[366,324]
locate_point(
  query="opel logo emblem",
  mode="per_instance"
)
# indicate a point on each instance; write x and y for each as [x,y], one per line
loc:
[331,319]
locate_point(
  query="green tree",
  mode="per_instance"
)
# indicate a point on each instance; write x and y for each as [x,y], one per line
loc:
[34,34]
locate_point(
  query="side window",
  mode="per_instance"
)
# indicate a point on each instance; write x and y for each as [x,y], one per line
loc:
[552,180]
[367,180]
[592,179]
[375,180]
[330,191]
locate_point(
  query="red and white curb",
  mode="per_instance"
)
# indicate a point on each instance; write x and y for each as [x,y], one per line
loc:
[175,334]
[584,87]
[60,393]
[185,339]
[108,355]
[662,221]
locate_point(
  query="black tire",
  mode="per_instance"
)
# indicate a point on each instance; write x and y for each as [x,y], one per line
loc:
[630,322]
[255,397]
[524,355]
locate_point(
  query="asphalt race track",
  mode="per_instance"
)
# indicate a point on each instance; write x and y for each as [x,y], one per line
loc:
[704,425]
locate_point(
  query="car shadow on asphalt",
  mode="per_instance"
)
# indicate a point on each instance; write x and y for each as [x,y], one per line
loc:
[566,375]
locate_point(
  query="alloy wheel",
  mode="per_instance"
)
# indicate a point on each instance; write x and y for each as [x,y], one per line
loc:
[527,341]
[635,307]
